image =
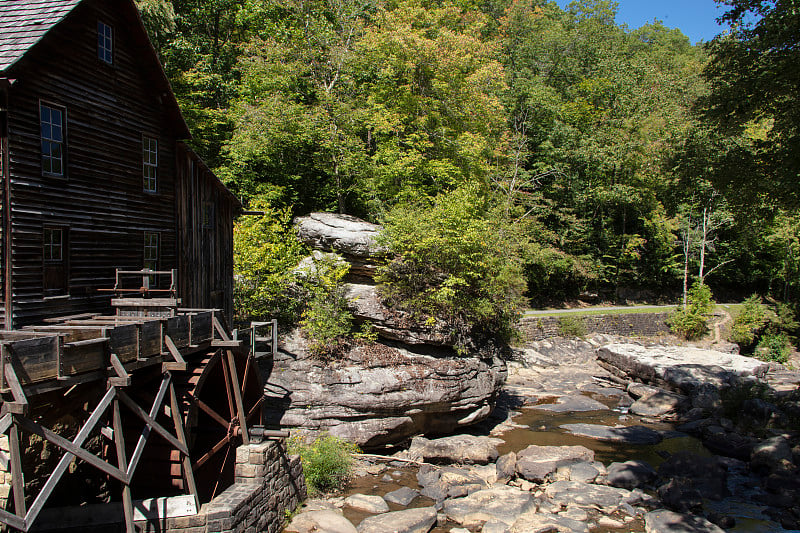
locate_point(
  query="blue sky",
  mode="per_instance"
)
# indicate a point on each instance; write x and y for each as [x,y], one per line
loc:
[695,18]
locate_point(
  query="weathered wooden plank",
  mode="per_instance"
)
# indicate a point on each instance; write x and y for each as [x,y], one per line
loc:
[124,341]
[83,356]
[149,339]
[178,328]
[201,327]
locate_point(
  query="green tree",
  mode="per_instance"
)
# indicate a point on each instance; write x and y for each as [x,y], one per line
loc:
[754,77]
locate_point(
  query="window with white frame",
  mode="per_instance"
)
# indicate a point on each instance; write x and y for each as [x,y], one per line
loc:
[51,120]
[150,250]
[150,164]
[105,42]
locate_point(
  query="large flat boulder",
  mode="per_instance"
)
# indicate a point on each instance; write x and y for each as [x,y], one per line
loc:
[536,463]
[663,521]
[575,493]
[679,367]
[537,522]
[324,521]
[626,434]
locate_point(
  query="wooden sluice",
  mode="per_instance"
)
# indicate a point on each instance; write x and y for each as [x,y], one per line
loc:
[205,393]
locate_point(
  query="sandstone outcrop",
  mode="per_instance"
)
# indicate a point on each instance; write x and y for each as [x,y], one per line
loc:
[410,382]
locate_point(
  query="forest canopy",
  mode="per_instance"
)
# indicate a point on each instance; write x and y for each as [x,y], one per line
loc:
[631,160]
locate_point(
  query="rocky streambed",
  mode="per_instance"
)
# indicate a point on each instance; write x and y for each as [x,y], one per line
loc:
[595,436]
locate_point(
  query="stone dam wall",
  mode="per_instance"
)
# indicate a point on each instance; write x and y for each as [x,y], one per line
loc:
[536,328]
[268,483]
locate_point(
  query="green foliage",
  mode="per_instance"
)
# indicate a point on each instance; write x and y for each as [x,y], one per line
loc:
[326,320]
[457,260]
[266,249]
[692,321]
[571,326]
[327,462]
[774,347]
[751,320]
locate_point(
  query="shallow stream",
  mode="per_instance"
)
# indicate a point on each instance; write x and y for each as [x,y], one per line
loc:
[543,428]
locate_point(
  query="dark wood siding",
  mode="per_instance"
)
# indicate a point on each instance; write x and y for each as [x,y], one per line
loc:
[205,213]
[101,198]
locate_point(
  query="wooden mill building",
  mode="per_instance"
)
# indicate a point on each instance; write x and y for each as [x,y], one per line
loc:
[94,174]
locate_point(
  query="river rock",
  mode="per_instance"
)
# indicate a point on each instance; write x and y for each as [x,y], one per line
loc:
[502,503]
[626,434]
[419,520]
[707,474]
[535,463]
[771,454]
[448,482]
[567,493]
[566,404]
[506,467]
[402,496]
[367,503]
[377,394]
[533,522]
[630,474]
[320,522]
[463,449]
[658,404]
[663,521]
[582,472]
[680,494]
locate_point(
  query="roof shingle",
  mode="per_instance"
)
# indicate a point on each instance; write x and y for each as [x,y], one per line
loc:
[24,22]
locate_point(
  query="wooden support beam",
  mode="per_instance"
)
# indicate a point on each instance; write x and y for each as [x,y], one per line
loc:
[66,459]
[137,452]
[122,379]
[237,395]
[150,421]
[219,329]
[17,479]
[180,363]
[20,404]
[188,473]
[13,520]
[77,451]
[216,343]
[119,443]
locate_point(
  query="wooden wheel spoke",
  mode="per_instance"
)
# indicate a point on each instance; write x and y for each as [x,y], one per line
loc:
[254,410]
[227,375]
[246,375]
[217,447]
[208,410]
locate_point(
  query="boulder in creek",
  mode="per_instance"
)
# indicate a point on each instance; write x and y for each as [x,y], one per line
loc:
[502,503]
[663,521]
[708,475]
[575,493]
[771,454]
[320,522]
[419,520]
[534,522]
[377,394]
[658,404]
[462,449]
[448,482]
[567,404]
[506,466]
[536,463]
[630,474]
[402,496]
[367,503]
[626,434]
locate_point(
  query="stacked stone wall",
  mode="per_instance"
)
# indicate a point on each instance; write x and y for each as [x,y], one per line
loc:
[268,483]
[536,328]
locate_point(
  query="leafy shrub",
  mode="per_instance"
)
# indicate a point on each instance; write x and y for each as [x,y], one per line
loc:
[457,260]
[692,321]
[571,326]
[555,275]
[326,461]
[266,249]
[326,319]
[748,325]
[773,347]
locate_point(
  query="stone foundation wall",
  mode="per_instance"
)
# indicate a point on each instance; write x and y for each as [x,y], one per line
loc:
[536,328]
[268,483]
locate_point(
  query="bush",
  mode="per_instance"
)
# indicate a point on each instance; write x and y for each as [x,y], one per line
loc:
[326,319]
[750,322]
[326,461]
[692,321]
[457,260]
[266,249]
[571,326]
[773,347]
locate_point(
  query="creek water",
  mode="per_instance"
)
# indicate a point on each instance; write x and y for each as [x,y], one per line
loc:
[543,428]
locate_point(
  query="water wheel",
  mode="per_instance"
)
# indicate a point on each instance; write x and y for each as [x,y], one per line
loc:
[217,394]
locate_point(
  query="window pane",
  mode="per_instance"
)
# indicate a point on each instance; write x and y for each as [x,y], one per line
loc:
[56,117]
[45,114]
[46,131]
